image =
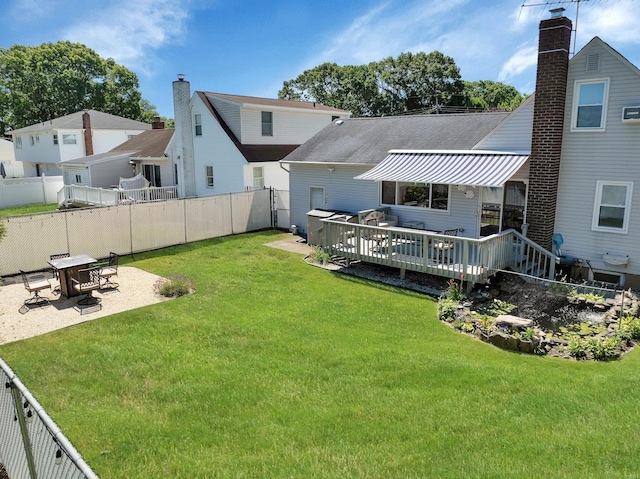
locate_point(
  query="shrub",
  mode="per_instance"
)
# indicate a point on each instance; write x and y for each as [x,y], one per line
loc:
[447,309]
[319,256]
[454,291]
[605,348]
[528,334]
[630,327]
[177,285]
[577,346]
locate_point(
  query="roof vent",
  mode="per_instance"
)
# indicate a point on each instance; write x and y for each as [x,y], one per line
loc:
[339,122]
[593,62]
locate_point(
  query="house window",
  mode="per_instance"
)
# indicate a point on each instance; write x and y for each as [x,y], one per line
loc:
[33,142]
[589,105]
[422,195]
[209,174]
[152,174]
[55,139]
[78,179]
[612,206]
[18,142]
[258,177]
[267,123]
[37,138]
[198,123]
[69,139]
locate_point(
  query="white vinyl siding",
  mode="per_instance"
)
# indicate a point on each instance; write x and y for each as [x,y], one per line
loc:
[612,206]
[590,105]
[609,157]
[290,126]
[514,133]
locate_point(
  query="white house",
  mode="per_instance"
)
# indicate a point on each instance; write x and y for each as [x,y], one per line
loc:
[229,143]
[43,146]
[11,167]
[146,153]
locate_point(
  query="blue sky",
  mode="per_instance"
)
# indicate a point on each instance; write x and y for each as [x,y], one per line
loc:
[249,47]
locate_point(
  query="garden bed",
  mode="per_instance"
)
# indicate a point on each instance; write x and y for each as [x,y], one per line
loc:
[558,321]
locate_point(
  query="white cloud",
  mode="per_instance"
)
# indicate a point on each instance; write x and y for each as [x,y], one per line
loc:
[614,22]
[129,32]
[524,58]
[389,29]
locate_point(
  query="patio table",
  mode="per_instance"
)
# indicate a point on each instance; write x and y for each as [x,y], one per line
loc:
[68,268]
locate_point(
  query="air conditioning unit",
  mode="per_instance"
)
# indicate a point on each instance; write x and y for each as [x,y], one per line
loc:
[631,113]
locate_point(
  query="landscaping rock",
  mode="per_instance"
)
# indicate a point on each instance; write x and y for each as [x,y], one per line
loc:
[513,321]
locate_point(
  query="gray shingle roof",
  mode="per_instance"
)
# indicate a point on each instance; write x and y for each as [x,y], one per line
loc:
[367,140]
[99,121]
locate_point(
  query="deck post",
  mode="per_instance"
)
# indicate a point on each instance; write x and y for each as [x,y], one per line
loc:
[402,273]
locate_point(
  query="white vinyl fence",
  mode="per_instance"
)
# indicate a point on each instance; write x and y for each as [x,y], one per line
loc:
[25,191]
[126,229]
[31,444]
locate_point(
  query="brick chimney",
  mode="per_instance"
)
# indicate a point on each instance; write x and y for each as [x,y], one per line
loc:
[88,137]
[548,121]
[184,137]
[157,123]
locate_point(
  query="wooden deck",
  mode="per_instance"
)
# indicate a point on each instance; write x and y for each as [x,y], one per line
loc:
[465,259]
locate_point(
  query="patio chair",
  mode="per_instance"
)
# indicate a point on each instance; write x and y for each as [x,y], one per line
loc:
[34,285]
[443,246]
[86,283]
[110,270]
[56,274]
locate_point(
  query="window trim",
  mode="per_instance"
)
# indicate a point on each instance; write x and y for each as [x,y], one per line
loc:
[197,121]
[415,207]
[597,203]
[269,124]
[209,178]
[254,177]
[576,99]
[68,136]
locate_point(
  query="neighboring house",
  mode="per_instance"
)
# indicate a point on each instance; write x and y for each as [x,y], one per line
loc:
[145,153]
[229,143]
[560,167]
[42,147]
[10,167]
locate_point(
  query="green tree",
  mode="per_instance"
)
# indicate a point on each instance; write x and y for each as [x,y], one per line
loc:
[488,94]
[55,79]
[394,85]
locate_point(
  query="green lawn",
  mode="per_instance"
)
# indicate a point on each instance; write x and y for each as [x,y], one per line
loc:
[278,369]
[27,209]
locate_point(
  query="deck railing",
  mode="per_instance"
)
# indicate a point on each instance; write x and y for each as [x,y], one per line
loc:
[457,257]
[76,194]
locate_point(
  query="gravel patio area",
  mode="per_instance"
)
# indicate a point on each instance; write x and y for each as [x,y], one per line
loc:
[137,289]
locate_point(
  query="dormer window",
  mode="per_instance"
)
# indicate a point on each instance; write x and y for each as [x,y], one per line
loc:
[267,123]
[589,105]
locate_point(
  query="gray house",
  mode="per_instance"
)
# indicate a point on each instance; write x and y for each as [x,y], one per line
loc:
[323,171]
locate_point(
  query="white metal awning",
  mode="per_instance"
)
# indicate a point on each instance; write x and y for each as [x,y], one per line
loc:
[470,168]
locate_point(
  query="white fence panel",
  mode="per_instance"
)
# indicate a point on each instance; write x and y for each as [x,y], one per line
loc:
[208,217]
[251,210]
[125,229]
[97,231]
[25,191]
[156,225]
[29,241]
